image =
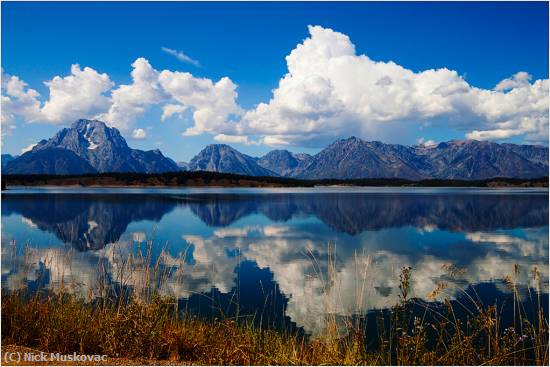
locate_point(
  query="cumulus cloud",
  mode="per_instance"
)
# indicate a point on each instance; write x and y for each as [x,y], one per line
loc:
[80,94]
[426,143]
[172,109]
[131,101]
[28,148]
[17,99]
[520,79]
[139,134]
[232,139]
[329,91]
[181,56]
[213,104]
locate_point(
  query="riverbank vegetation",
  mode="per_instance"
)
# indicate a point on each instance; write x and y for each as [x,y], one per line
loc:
[205,179]
[156,331]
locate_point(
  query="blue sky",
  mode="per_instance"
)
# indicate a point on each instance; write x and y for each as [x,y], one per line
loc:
[485,43]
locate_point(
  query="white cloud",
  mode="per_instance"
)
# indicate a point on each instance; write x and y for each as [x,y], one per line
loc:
[426,143]
[172,109]
[522,110]
[18,99]
[181,56]
[233,139]
[78,95]
[496,134]
[139,134]
[213,104]
[520,79]
[131,101]
[329,91]
[28,148]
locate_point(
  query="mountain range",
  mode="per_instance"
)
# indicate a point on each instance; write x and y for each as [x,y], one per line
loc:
[90,146]
[223,158]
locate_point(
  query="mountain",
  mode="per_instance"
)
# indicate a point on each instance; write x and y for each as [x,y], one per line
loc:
[223,158]
[49,161]
[474,160]
[7,158]
[184,166]
[469,160]
[90,146]
[354,158]
[283,162]
[94,143]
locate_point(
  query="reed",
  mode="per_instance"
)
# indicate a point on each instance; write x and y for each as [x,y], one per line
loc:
[143,324]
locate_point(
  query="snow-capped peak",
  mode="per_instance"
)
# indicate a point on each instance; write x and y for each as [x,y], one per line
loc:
[91,143]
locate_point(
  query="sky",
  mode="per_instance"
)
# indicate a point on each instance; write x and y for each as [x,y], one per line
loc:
[263,76]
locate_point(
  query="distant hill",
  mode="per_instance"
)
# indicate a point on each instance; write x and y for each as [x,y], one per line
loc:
[354,158]
[184,166]
[470,159]
[224,159]
[46,161]
[474,160]
[7,158]
[283,162]
[88,146]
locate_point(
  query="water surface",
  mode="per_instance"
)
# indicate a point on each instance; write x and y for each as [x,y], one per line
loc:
[287,256]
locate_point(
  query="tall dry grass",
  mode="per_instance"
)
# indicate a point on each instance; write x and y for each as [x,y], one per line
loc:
[138,322]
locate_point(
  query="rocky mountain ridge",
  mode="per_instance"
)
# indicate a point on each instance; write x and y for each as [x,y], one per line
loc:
[88,146]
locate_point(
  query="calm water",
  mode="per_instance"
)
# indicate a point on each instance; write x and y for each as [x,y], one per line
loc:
[288,256]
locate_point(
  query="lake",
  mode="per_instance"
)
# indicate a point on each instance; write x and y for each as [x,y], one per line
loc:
[283,256]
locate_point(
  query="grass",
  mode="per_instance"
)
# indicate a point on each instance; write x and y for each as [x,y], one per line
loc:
[153,328]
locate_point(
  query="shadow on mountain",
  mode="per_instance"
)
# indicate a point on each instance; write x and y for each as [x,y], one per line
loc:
[87,222]
[354,213]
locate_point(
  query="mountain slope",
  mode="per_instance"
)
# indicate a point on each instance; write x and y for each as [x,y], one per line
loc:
[7,158]
[90,146]
[100,146]
[354,158]
[283,162]
[49,161]
[475,160]
[223,158]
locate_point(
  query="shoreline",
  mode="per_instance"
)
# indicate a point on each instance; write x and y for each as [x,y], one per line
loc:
[191,190]
[202,179]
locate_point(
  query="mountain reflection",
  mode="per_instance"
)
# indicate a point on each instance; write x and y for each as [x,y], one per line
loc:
[296,269]
[90,221]
[354,213]
[249,249]
[87,222]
